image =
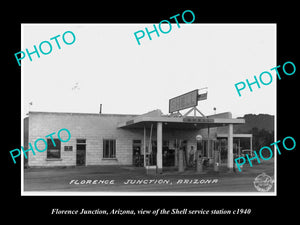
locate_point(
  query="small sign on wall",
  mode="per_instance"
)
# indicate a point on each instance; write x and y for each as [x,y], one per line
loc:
[68,148]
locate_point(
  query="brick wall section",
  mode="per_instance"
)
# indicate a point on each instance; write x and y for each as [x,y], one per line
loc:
[94,128]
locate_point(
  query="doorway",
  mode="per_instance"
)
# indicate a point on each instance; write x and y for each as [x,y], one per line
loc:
[80,152]
[137,156]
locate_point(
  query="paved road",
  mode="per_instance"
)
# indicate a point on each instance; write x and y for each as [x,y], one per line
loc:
[130,179]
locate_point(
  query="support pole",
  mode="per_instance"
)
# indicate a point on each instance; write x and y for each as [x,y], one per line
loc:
[216,159]
[208,143]
[176,153]
[200,112]
[188,112]
[251,146]
[159,147]
[195,111]
[145,146]
[180,160]
[150,145]
[230,147]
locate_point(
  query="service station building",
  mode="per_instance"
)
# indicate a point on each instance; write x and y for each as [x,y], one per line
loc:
[148,140]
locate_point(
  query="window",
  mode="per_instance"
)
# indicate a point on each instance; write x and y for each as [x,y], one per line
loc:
[53,152]
[109,148]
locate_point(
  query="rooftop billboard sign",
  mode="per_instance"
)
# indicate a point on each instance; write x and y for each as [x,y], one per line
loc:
[184,101]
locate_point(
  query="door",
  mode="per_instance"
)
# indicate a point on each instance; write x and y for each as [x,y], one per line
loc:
[137,157]
[80,152]
[223,150]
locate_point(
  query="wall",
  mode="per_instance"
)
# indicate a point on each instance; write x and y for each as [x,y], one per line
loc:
[222,129]
[94,128]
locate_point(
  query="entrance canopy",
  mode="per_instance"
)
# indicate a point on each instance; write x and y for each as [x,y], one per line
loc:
[184,122]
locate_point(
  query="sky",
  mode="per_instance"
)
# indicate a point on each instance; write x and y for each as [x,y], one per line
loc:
[105,65]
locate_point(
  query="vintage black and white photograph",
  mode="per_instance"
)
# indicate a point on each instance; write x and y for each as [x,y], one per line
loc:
[143,109]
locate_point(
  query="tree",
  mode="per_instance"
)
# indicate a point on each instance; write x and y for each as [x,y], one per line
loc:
[261,138]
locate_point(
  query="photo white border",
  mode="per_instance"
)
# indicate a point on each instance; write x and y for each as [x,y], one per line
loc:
[83,193]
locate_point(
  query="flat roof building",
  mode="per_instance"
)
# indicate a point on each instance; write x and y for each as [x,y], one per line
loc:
[116,139]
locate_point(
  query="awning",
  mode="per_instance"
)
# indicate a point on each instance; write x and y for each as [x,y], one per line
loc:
[189,122]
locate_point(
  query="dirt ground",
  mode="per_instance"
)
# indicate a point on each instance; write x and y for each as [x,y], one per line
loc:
[105,179]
